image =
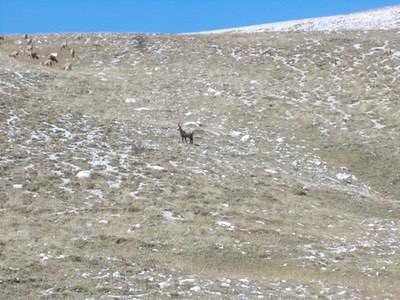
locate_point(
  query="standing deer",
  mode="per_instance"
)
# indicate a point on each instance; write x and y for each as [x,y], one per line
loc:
[185,134]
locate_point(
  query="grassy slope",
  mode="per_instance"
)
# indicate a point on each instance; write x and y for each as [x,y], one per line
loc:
[277,117]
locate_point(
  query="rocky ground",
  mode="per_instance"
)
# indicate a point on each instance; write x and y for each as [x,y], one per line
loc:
[291,189]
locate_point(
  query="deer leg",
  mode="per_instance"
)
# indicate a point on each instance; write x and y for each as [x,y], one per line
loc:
[191,139]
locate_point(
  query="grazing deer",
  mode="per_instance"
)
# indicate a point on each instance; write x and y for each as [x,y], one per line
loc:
[48,63]
[387,51]
[68,67]
[14,54]
[64,45]
[186,134]
[33,55]
[53,57]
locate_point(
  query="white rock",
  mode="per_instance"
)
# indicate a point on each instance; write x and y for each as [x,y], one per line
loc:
[345,177]
[271,171]
[187,281]
[296,164]
[225,284]
[173,163]
[114,184]
[164,284]
[157,168]
[130,100]
[377,125]
[245,138]
[44,256]
[219,246]
[196,289]
[47,292]
[169,215]
[214,92]
[235,133]
[52,157]
[244,280]
[228,226]
[133,227]
[84,174]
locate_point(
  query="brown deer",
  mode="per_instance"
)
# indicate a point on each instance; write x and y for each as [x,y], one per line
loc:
[33,55]
[53,57]
[68,67]
[14,54]
[186,134]
[387,51]
[64,45]
[48,63]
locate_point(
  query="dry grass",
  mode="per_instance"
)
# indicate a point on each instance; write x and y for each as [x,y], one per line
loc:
[258,207]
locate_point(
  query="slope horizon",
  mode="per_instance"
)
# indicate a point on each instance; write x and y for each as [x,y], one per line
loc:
[166,17]
[387,17]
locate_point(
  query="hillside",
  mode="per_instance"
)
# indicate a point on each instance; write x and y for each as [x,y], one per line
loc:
[290,190]
[377,19]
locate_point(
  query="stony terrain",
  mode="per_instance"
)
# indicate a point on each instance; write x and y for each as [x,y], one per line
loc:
[291,189]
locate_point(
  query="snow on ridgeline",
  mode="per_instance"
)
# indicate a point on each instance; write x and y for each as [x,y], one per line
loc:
[383,18]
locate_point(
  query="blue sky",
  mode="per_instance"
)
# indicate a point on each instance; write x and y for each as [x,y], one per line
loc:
[35,16]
